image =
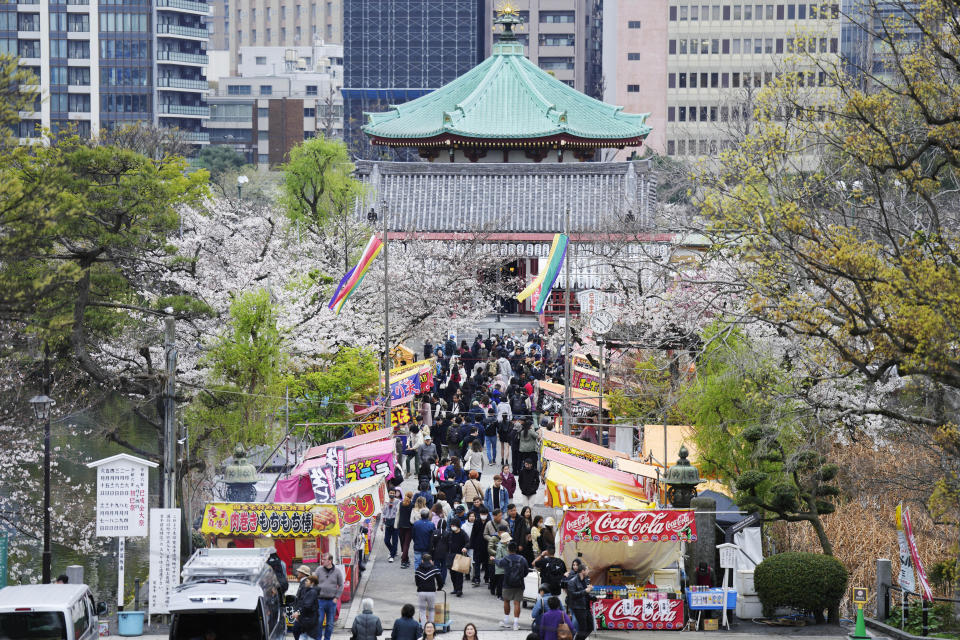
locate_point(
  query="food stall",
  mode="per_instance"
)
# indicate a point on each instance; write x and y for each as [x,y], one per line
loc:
[627,552]
[298,531]
[359,504]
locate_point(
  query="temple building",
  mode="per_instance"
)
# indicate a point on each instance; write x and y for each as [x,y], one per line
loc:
[508,156]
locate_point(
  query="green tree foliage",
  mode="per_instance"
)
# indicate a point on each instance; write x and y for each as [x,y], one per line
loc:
[318,183]
[326,392]
[245,365]
[805,581]
[219,159]
[753,435]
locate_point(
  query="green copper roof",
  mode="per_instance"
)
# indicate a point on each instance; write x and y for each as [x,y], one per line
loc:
[506,97]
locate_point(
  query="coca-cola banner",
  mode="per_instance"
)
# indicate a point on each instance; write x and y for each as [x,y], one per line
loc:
[643,613]
[661,525]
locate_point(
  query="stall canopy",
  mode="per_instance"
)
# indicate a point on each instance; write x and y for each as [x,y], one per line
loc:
[640,541]
[348,443]
[364,461]
[579,448]
[614,479]
[570,487]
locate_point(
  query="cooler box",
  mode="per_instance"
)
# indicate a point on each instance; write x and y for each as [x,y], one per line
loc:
[130,623]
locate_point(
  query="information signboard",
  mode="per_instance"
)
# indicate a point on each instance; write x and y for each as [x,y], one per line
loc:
[122,496]
[164,558]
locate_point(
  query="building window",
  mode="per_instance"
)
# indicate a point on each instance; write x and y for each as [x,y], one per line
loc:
[558,17]
[673,14]
[309,135]
[261,60]
[682,114]
[736,12]
[715,46]
[29,48]
[635,55]
[266,90]
[556,64]
[671,150]
[672,47]
[682,80]
[635,24]
[267,35]
[309,112]
[715,12]
[253,36]
[791,12]
[269,13]
[779,12]
[694,13]
[671,80]
[263,113]
[556,40]
[78,22]
[633,88]
[58,102]
[28,22]
[263,158]
[671,114]
[683,13]
[283,12]
[58,21]
[58,48]
[311,89]
[238,90]
[79,76]
[726,12]
[78,102]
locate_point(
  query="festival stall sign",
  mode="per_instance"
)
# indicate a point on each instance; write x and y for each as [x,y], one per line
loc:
[360,500]
[646,525]
[578,448]
[361,462]
[569,487]
[582,402]
[269,519]
[348,443]
[638,614]
[400,417]
[585,379]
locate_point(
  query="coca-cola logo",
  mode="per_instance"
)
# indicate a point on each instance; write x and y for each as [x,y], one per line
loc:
[581,523]
[639,614]
[634,522]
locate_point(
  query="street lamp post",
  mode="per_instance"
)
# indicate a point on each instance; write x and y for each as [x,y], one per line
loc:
[241,180]
[41,409]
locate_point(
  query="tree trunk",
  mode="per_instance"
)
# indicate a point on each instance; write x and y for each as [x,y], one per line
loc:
[821,535]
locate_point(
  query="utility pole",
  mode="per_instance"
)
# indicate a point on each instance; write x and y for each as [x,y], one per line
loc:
[388,401]
[169,480]
[567,370]
[46,571]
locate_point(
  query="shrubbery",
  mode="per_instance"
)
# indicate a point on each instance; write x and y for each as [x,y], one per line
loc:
[810,582]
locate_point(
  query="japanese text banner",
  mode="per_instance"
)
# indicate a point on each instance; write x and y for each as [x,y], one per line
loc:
[270,519]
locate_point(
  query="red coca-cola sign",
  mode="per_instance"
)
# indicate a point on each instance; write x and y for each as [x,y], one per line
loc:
[654,615]
[665,525]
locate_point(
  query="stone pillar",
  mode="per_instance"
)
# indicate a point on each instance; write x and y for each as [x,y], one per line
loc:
[704,549]
[75,574]
[884,582]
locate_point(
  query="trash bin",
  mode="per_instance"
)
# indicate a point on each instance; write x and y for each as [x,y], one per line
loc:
[130,623]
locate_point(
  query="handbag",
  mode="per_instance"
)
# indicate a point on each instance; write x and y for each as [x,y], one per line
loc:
[563,632]
[461,563]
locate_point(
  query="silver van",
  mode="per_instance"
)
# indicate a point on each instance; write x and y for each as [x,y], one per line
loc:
[49,612]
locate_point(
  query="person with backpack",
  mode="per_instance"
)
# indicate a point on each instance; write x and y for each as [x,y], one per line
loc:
[441,544]
[515,569]
[490,434]
[552,570]
[505,435]
[428,583]
[473,460]
[501,551]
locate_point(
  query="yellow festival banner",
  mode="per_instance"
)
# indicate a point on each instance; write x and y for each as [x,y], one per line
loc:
[568,487]
[579,448]
[261,519]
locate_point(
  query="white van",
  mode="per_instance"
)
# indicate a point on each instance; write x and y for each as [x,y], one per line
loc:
[49,612]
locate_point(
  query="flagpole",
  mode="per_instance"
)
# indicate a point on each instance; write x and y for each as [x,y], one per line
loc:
[566,329]
[387,406]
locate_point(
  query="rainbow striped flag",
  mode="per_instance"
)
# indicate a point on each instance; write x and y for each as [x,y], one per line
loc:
[354,277]
[548,277]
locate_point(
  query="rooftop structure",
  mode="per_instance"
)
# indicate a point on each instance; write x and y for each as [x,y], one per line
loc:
[509,104]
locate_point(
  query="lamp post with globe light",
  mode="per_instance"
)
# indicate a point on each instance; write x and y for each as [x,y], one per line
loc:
[41,409]
[241,180]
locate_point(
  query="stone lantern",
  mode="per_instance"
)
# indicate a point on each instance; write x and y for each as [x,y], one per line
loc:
[682,480]
[240,477]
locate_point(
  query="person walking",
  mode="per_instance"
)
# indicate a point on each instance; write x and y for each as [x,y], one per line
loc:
[428,583]
[300,605]
[473,460]
[329,589]
[441,546]
[528,481]
[578,597]
[457,542]
[515,570]
[405,627]
[405,528]
[478,543]
[535,535]
[472,488]
[414,442]
[422,537]
[539,608]
[366,626]
[501,552]
[307,609]
[527,442]
[496,496]
[389,518]
[552,619]
[547,536]
[509,481]
[552,570]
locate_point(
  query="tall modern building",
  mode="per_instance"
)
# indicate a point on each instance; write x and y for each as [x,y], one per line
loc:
[403,49]
[696,67]
[104,65]
[559,36]
[273,23]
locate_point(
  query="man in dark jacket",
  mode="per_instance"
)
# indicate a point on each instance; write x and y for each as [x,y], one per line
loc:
[552,570]
[578,599]
[422,537]
[528,481]
[299,604]
[307,610]
[428,582]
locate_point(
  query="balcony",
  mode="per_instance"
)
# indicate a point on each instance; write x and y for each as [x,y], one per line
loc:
[184,110]
[187,32]
[176,56]
[185,5]
[195,136]
[182,83]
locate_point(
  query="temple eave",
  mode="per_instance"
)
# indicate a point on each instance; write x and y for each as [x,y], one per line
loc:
[554,141]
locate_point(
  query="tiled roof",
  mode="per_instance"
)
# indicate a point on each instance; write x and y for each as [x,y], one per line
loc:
[506,97]
[510,197]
